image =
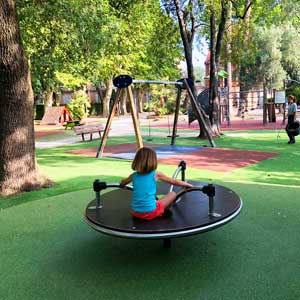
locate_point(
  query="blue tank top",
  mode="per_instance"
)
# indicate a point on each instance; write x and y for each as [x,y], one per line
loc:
[292,108]
[144,192]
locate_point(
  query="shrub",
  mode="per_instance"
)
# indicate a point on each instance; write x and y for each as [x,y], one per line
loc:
[162,101]
[96,109]
[79,105]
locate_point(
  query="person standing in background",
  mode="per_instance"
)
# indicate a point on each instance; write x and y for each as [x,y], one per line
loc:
[292,115]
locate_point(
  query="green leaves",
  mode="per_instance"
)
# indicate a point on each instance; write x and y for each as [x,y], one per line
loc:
[79,105]
[271,50]
[97,39]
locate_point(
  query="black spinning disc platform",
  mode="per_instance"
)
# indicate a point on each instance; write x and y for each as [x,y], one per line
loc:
[188,216]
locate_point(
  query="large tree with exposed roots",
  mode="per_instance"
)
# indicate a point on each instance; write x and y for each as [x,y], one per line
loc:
[18,170]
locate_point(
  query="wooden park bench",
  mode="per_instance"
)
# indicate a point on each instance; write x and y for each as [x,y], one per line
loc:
[88,129]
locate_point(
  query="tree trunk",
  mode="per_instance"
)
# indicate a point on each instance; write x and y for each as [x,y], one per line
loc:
[18,171]
[140,95]
[99,93]
[48,100]
[123,102]
[162,100]
[215,49]
[106,99]
[243,102]
[213,77]
[228,54]
[187,37]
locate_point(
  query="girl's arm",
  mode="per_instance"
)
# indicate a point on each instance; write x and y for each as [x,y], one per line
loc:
[165,178]
[126,180]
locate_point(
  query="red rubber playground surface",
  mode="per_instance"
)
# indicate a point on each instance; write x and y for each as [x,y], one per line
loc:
[219,159]
[213,159]
[47,133]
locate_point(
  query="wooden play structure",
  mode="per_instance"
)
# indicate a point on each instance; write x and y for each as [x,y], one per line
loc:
[123,84]
[56,115]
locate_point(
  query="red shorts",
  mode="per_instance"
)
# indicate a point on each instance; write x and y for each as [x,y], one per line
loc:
[158,212]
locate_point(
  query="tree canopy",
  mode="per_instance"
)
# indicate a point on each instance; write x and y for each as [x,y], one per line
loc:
[96,40]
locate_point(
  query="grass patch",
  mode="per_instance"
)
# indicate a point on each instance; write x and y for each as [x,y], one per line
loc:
[48,252]
[72,172]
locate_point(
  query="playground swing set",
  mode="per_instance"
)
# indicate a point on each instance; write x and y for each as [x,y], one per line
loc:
[123,84]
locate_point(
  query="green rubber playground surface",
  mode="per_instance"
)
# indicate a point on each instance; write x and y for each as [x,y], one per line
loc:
[48,252]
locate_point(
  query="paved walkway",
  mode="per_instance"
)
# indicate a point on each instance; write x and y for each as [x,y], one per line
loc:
[123,125]
[120,127]
[58,143]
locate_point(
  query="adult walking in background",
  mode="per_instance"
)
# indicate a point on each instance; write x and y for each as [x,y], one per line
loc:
[292,115]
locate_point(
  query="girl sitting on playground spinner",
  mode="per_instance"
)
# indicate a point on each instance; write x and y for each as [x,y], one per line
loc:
[144,204]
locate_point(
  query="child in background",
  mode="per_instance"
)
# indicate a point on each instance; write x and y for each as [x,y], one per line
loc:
[144,204]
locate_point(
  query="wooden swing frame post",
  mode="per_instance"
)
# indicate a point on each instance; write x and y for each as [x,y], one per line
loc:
[136,125]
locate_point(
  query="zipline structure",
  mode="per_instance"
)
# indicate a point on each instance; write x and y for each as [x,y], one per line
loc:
[123,84]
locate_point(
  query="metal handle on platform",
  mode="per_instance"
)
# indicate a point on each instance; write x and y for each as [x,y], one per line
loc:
[181,168]
[208,190]
[98,186]
[98,199]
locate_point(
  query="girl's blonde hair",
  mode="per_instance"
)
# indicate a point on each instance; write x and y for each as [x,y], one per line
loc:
[145,161]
